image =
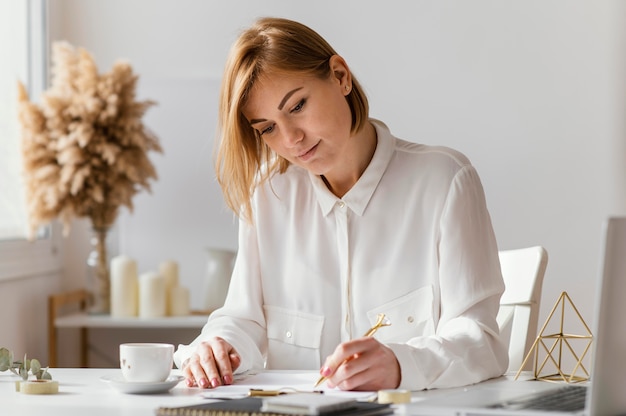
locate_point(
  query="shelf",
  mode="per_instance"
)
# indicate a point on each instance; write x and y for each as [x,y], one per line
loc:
[83,320]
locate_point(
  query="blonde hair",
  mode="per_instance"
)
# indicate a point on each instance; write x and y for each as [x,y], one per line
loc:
[270,45]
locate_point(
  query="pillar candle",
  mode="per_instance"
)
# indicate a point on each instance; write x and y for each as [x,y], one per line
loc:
[152,297]
[124,287]
[179,301]
[169,271]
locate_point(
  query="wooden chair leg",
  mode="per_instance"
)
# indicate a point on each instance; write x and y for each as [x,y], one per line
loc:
[52,334]
[79,297]
[84,360]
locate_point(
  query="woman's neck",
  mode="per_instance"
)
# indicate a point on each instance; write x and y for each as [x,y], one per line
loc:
[361,149]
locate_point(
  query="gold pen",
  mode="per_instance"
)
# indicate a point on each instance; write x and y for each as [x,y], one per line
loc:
[381,321]
[279,392]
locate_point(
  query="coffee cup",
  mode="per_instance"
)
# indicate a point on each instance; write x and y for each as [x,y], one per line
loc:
[146,362]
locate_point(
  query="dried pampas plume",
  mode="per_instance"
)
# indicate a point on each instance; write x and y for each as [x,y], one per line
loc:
[85,146]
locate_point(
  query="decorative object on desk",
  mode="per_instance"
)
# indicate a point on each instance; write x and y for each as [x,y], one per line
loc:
[85,148]
[152,296]
[124,287]
[250,406]
[220,263]
[560,341]
[22,368]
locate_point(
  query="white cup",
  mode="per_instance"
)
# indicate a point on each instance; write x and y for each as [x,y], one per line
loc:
[146,362]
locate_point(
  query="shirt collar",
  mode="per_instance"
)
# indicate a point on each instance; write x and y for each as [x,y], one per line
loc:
[359,196]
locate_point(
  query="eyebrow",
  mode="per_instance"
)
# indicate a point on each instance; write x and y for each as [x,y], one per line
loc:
[280,105]
[286,97]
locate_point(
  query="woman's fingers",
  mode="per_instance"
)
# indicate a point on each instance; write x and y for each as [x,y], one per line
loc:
[366,365]
[212,364]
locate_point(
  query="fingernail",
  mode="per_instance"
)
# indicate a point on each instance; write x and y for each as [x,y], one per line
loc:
[215,382]
[204,383]
[325,371]
[228,380]
[189,382]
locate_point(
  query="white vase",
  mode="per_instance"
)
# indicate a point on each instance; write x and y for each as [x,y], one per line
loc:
[219,268]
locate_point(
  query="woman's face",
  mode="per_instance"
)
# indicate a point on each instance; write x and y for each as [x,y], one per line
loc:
[304,119]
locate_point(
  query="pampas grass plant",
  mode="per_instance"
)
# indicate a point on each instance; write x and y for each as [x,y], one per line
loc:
[84,147]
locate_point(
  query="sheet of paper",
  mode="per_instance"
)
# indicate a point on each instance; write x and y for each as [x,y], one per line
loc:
[295,381]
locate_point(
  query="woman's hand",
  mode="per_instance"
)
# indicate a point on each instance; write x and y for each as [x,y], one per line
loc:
[362,364]
[212,364]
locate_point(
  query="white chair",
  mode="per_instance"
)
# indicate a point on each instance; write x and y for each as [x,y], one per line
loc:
[523,271]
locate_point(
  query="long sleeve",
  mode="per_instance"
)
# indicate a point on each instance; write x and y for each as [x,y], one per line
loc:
[465,348]
[241,320]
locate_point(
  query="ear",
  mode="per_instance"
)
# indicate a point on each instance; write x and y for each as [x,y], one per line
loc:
[341,73]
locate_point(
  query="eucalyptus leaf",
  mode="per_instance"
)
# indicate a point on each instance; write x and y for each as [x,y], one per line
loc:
[5,360]
[22,368]
[35,366]
[45,375]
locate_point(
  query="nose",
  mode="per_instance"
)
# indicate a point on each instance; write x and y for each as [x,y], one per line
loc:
[293,134]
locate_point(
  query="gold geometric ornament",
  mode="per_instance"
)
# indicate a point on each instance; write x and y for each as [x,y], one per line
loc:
[550,367]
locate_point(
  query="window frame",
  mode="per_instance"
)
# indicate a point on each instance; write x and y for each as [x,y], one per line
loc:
[20,258]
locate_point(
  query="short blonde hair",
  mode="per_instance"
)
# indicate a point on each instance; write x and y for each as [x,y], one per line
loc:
[270,45]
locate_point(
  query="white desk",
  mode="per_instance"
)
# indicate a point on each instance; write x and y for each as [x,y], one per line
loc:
[81,392]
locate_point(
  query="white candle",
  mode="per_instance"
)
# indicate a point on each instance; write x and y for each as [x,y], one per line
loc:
[124,287]
[169,271]
[152,297]
[179,301]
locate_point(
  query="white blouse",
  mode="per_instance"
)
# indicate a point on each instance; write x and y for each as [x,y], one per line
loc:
[412,239]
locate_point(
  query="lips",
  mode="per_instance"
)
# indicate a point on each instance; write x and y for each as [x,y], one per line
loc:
[306,155]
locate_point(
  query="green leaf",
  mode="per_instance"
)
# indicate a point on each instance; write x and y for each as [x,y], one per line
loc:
[35,366]
[5,359]
[24,373]
[43,374]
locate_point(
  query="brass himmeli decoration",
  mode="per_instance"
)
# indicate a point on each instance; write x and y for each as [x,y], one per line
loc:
[558,343]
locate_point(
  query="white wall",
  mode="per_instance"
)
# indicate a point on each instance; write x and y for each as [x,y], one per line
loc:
[532,91]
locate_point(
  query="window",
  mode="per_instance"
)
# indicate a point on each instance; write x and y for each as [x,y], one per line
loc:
[23,45]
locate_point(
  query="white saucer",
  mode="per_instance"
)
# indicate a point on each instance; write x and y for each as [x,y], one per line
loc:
[118,383]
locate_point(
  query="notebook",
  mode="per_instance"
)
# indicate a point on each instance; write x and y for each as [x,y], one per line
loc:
[253,406]
[602,395]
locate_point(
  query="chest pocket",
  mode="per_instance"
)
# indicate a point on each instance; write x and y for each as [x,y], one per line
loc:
[294,339]
[411,315]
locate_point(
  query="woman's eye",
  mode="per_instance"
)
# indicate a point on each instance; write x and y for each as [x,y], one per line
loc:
[268,129]
[298,106]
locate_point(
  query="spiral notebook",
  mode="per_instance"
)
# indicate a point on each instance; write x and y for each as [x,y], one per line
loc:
[249,406]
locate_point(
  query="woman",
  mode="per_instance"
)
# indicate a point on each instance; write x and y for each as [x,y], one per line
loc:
[341,221]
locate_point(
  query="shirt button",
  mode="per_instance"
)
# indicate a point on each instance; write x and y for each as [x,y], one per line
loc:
[341,204]
[288,334]
[410,319]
